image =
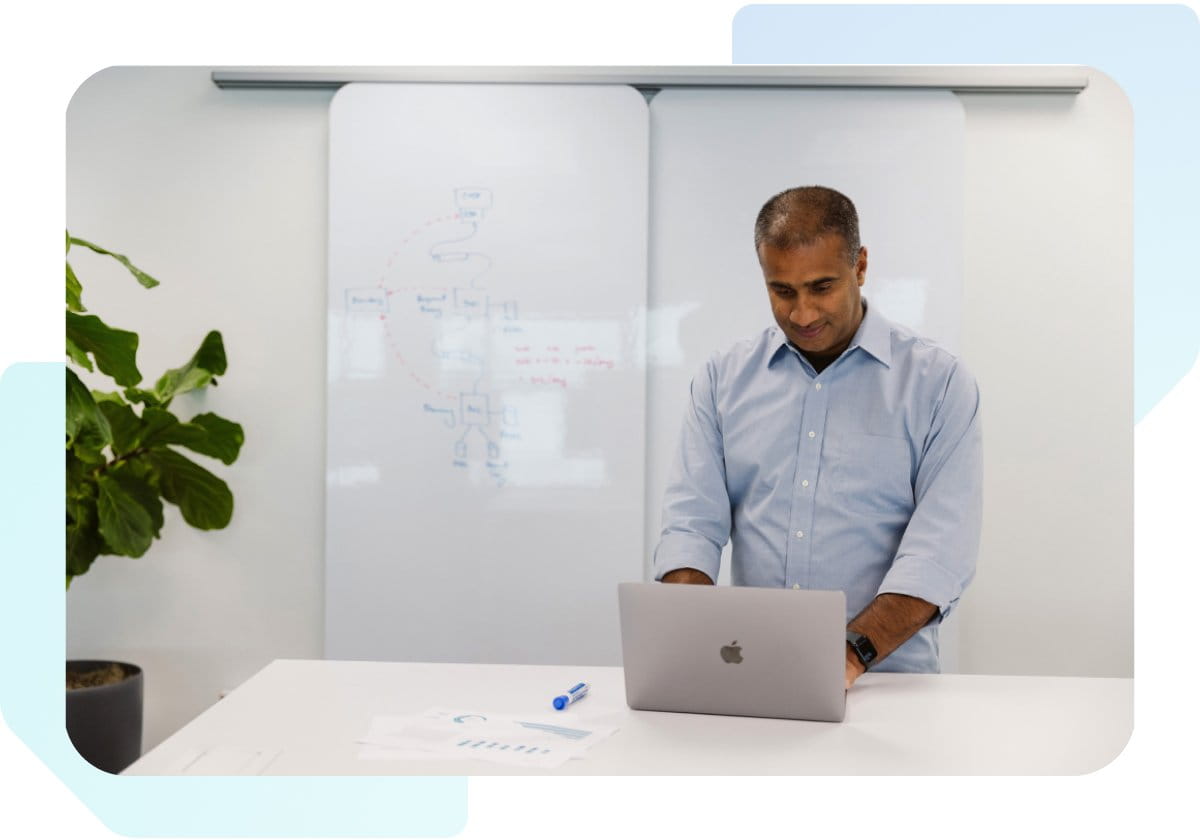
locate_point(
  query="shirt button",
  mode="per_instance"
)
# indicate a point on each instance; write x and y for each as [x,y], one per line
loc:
[795,586]
[818,386]
[800,534]
[812,434]
[804,483]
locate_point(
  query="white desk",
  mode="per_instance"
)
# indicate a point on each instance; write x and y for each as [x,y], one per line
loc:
[313,712]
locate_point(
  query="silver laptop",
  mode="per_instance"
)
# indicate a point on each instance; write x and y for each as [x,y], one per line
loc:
[734,650]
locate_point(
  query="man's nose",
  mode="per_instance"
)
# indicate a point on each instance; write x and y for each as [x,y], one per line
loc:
[803,312]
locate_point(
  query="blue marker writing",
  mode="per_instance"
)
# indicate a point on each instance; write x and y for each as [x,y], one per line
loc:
[578,692]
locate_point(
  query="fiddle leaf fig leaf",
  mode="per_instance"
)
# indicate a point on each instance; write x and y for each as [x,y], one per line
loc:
[207,363]
[208,434]
[134,482]
[125,426]
[155,422]
[78,355]
[115,350]
[107,396]
[142,277]
[74,290]
[84,542]
[126,525]
[87,427]
[140,395]
[204,500]
[80,482]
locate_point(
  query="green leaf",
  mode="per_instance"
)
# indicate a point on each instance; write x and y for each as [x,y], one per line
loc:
[125,524]
[87,427]
[142,277]
[84,542]
[139,395]
[115,350]
[107,396]
[207,362]
[203,499]
[126,426]
[208,434]
[74,290]
[80,483]
[89,452]
[78,355]
[135,483]
[68,242]
[141,468]
[131,432]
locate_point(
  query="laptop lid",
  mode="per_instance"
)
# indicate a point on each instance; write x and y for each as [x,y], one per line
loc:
[734,650]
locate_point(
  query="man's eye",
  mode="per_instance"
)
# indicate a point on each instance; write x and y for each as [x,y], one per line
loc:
[821,288]
[783,292]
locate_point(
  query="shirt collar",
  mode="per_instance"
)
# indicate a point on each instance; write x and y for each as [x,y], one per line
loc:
[874,335]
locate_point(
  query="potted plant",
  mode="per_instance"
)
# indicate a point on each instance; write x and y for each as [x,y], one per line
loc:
[122,462]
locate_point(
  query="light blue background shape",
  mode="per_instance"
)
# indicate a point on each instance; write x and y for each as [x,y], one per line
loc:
[1152,52]
[33,646]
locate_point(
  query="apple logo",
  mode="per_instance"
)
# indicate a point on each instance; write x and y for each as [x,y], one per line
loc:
[732,652]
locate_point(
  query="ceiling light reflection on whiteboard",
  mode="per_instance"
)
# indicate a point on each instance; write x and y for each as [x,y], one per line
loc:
[354,475]
[460,345]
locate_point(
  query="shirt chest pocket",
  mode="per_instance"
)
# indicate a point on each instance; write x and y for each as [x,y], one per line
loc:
[869,474]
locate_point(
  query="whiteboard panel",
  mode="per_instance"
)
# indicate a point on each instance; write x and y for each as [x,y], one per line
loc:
[486,391]
[718,155]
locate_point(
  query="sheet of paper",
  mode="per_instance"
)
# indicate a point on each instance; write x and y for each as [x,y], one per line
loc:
[460,734]
[224,760]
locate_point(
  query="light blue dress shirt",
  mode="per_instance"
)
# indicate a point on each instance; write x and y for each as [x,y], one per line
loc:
[865,477]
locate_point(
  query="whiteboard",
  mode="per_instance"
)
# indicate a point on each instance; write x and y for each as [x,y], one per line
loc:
[486,382]
[717,155]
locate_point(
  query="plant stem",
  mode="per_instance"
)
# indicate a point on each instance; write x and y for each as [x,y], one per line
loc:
[103,468]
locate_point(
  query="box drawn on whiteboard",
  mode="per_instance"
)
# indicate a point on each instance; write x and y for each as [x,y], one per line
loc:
[366,300]
[473,198]
[472,202]
[469,301]
[474,409]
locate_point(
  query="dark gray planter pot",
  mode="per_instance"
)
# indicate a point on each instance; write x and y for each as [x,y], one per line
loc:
[105,722]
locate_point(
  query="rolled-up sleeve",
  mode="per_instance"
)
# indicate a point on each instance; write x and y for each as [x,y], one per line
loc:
[937,554]
[696,512]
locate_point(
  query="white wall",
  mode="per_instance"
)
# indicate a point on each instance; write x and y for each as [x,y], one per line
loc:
[1049,333]
[222,196]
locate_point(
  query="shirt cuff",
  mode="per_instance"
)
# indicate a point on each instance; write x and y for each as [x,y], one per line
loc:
[920,577]
[679,550]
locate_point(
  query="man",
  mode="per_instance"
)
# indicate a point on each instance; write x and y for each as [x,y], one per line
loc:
[837,449]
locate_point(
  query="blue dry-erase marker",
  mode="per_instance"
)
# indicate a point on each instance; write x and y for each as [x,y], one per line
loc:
[577,692]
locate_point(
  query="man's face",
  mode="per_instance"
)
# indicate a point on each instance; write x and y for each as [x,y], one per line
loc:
[815,293]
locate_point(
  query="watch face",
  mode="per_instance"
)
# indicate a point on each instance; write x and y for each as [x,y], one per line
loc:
[862,647]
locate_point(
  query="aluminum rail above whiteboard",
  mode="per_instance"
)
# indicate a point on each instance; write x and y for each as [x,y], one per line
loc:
[958,78]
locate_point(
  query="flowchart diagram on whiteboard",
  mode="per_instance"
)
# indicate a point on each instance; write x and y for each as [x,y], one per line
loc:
[454,316]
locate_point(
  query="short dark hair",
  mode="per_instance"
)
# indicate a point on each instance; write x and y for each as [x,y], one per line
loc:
[802,214]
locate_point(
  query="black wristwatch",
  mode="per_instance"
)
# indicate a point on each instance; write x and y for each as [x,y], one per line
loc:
[862,647]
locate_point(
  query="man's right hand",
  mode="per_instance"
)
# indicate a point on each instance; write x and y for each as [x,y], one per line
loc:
[687,576]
